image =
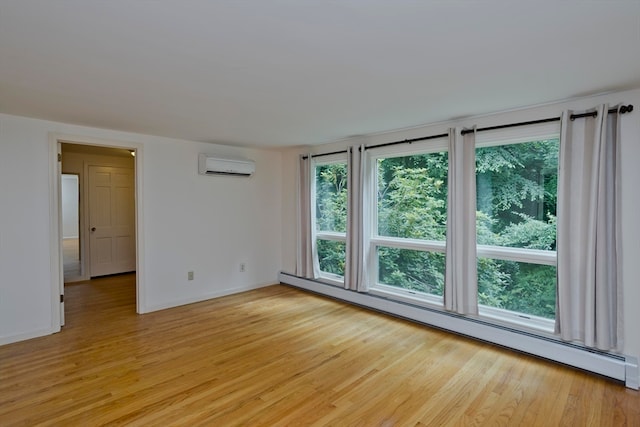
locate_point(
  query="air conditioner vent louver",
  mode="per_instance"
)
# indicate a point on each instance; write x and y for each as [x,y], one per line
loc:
[210,165]
[227,173]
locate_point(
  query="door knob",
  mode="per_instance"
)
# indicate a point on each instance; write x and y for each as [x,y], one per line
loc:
[93,229]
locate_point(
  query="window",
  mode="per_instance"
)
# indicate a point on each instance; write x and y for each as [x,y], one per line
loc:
[409,226]
[516,191]
[330,218]
[405,233]
[516,186]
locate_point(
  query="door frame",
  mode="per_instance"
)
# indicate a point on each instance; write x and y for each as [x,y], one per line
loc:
[55,219]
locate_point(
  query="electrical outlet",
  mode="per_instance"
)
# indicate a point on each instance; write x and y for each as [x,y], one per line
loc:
[243,267]
[190,275]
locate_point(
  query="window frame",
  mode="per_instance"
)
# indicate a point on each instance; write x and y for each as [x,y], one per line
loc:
[333,236]
[373,240]
[508,136]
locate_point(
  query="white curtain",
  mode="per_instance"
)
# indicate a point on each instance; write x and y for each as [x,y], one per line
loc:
[355,277]
[589,294]
[304,255]
[461,277]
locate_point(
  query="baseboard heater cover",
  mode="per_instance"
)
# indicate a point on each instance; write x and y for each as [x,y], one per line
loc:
[619,367]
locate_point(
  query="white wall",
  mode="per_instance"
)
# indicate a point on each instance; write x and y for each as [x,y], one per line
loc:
[209,224]
[25,277]
[191,222]
[630,147]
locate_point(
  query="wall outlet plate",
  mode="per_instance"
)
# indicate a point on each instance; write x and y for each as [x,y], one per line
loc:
[190,275]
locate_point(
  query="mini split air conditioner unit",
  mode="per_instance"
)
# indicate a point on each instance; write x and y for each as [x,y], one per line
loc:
[211,165]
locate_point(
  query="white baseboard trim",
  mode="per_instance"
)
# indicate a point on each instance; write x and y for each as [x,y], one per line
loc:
[623,368]
[43,332]
[10,339]
[205,297]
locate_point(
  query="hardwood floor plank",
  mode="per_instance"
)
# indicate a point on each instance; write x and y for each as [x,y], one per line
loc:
[278,356]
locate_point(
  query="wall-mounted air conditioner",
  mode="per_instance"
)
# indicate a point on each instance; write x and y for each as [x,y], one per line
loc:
[212,165]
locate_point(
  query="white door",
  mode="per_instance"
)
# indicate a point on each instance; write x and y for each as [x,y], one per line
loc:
[112,234]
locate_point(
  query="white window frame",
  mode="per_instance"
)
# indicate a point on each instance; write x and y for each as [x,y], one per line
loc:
[330,278]
[510,136]
[375,241]
[535,256]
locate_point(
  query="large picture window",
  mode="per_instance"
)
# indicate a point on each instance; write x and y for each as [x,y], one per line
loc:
[516,187]
[466,221]
[516,176]
[409,227]
[330,184]
[516,192]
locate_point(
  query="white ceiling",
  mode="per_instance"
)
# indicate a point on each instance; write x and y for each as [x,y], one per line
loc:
[297,72]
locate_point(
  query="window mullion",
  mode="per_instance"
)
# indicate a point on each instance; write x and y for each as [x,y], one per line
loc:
[534,256]
[416,244]
[331,235]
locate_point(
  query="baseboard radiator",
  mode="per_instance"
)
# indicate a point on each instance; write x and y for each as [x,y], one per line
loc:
[619,367]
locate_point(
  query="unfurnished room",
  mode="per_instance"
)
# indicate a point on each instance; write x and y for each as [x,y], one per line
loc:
[319,213]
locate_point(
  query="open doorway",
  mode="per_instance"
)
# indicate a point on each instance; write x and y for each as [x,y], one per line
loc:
[97,208]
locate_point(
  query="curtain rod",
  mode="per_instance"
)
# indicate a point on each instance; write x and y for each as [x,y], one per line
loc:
[325,154]
[404,141]
[622,110]
[407,141]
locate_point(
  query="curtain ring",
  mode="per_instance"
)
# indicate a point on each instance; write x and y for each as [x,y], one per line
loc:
[625,109]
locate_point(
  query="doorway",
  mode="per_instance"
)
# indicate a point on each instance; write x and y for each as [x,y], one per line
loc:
[82,168]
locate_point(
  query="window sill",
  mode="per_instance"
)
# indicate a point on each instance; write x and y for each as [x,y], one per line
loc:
[526,323]
[411,297]
[331,279]
[522,321]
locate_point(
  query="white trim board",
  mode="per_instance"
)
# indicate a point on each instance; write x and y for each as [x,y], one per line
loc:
[206,297]
[623,368]
[10,339]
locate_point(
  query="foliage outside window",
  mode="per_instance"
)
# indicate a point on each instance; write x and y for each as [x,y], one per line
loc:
[516,186]
[411,222]
[516,225]
[331,217]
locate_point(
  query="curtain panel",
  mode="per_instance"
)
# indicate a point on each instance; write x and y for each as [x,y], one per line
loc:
[304,254]
[461,277]
[357,220]
[589,294]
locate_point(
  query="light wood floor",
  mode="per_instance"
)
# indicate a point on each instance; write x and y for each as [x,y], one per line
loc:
[279,356]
